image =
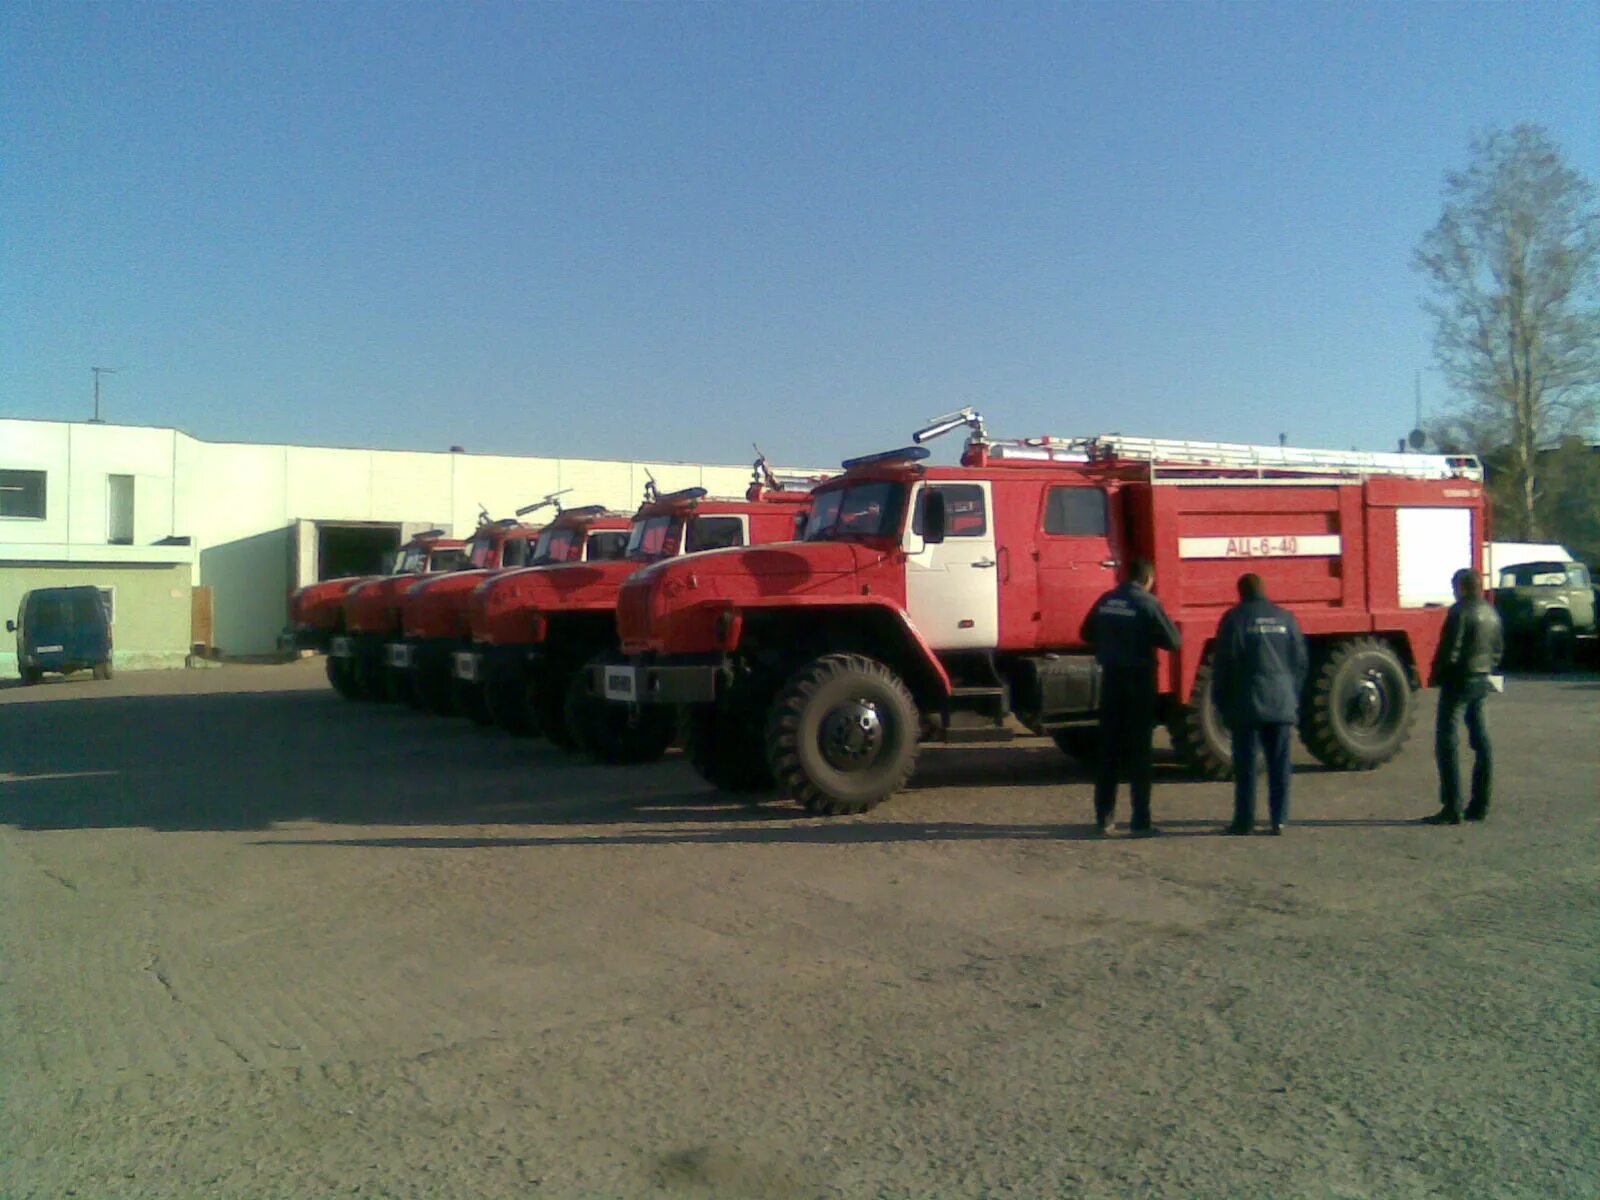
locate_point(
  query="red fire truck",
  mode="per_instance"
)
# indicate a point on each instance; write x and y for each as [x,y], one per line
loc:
[370,612]
[489,668]
[535,630]
[930,602]
[316,611]
[434,613]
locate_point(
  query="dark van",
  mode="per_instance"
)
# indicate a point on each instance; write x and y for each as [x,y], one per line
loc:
[62,629]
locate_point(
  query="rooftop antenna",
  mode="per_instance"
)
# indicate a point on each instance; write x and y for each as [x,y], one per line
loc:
[1417,438]
[99,371]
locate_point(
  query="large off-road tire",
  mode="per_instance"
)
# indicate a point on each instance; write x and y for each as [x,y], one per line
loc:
[549,700]
[510,702]
[1081,742]
[473,701]
[726,745]
[402,685]
[368,675]
[616,734]
[1554,644]
[102,669]
[342,678]
[435,687]
[1199,735]
[1358,709]
[842,734]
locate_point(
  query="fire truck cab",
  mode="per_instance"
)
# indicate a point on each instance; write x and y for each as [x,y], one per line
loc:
[928,602]
[433,611]
[485,666]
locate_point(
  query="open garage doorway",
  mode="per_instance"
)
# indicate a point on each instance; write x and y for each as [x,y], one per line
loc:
[344,550]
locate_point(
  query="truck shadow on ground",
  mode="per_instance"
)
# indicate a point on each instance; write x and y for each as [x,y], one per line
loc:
[260,760]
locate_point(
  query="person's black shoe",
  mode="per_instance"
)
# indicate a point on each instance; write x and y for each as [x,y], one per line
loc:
[1105,828]
[1145,830]
[1238,829]
[1445,816]
[1476,814]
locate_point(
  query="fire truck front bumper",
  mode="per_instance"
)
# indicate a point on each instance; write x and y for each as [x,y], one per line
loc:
[689,679]
[484,664]
[307,637]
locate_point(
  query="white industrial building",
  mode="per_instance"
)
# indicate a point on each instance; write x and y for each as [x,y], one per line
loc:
[150,514]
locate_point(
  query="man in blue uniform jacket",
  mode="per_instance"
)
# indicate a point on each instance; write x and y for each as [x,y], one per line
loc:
[1257,672]
[1126,627]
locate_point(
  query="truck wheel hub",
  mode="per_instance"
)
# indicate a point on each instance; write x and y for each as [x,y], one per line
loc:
[1368,702]
[852,735]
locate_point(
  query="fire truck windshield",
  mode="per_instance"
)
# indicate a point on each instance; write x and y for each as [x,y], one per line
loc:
[653,537]
[478,551]
[515,552]
[555,545]
[412,561]
[446,560]
[870,509]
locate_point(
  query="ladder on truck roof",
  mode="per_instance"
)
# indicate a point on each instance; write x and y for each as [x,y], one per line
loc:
[1172,460]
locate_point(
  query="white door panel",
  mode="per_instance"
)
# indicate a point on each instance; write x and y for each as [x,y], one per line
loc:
[953,589]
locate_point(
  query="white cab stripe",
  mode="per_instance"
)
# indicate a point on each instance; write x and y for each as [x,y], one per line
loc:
[1271,545]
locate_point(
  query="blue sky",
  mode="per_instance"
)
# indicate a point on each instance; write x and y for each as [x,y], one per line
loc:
[671,230]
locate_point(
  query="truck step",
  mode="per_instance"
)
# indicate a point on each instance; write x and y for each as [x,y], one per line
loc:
[962,735]
[989,703]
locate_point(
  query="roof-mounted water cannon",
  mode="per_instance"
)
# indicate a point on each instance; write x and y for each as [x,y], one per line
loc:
[970,417]
[553,498]
[761,472]
[652,490]
[587,513]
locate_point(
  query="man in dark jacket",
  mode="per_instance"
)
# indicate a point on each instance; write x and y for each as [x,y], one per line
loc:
[1257,673]
[1126,627]
[1469,651]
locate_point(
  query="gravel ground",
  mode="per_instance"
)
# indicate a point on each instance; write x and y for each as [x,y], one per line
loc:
[260,942]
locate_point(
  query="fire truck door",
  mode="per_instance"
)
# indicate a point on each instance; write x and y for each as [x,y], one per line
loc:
[952,589]
[1077,564]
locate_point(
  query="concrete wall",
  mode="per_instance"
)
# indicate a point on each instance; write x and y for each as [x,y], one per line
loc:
[151,605]
[239,503]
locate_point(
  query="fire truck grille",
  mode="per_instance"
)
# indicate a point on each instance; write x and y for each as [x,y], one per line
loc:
[633,613]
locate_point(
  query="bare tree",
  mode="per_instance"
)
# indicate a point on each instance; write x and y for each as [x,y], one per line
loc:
[1514,272]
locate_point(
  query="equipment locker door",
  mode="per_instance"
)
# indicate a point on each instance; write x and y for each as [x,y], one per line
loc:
[1077,564]
[952,589]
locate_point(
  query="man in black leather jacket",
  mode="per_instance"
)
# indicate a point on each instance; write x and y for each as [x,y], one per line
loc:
[1126,627]
[1257,672]
[1469,651]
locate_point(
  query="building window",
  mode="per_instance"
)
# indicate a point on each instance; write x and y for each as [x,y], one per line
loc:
[119,509]
[22,494]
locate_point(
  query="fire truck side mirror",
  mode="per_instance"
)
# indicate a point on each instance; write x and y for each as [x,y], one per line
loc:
[933,517]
